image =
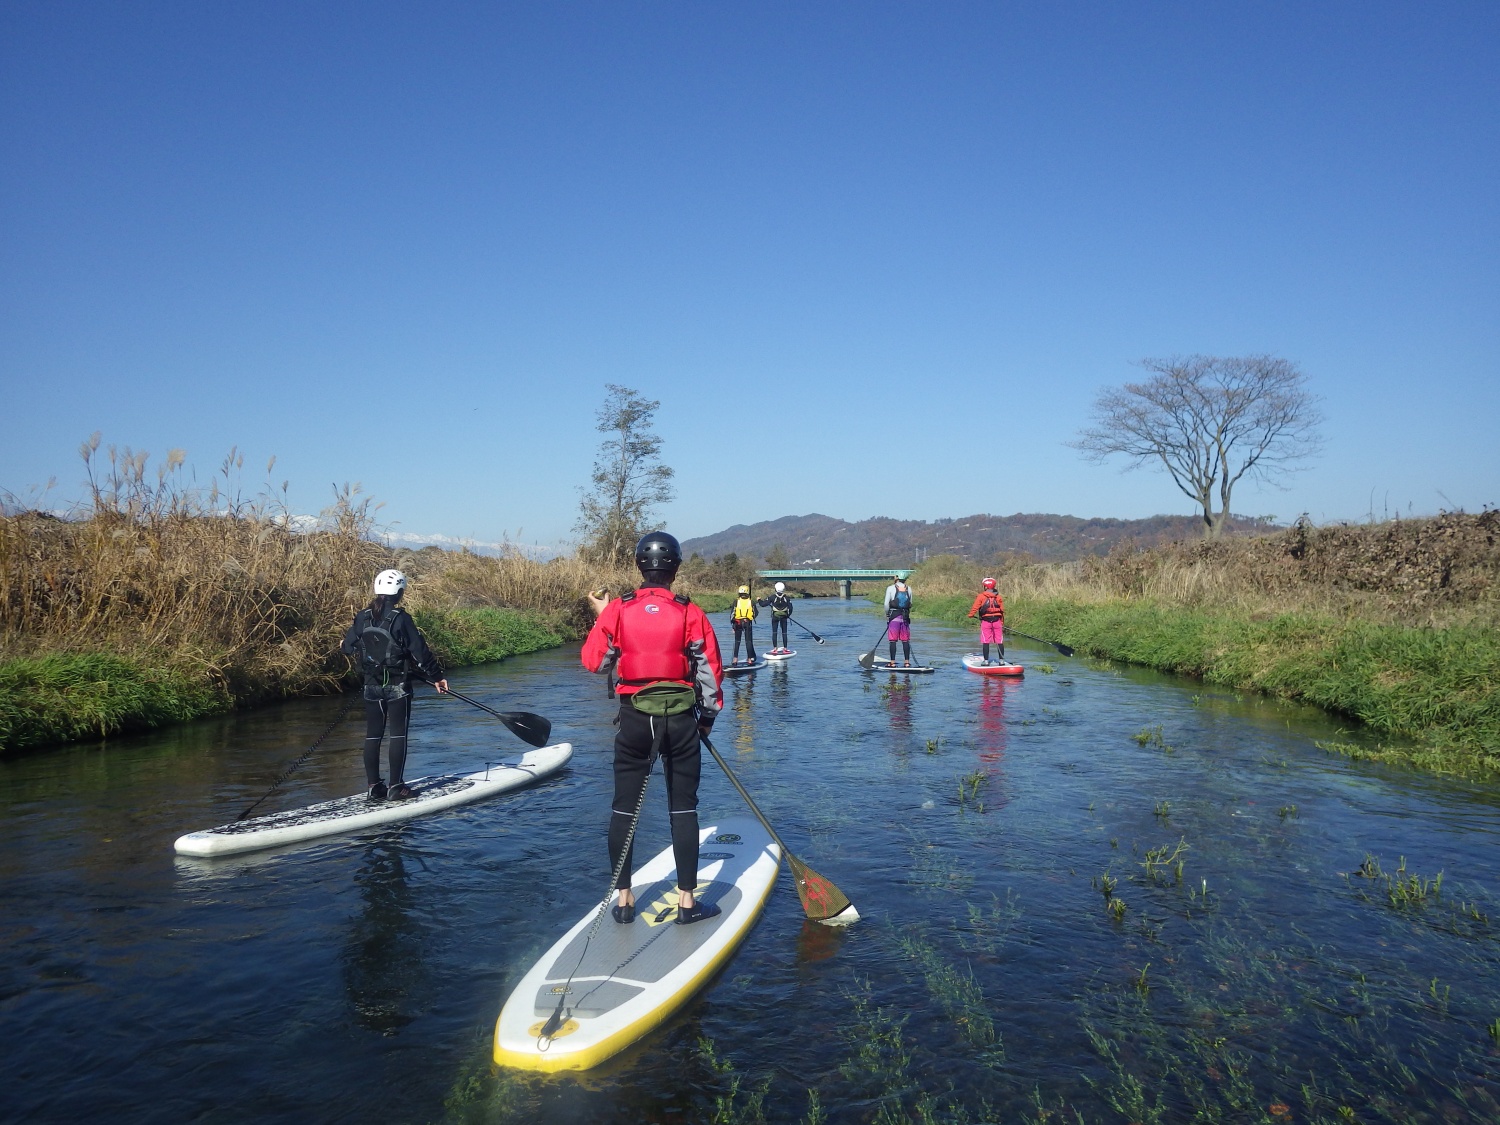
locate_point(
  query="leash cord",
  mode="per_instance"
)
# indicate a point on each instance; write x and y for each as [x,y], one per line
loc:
[555,1021]
[291,769]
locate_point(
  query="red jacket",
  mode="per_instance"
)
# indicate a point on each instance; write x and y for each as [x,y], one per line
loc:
[654,635]
[995,612]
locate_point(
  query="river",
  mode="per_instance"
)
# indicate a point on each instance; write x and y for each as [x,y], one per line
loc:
[1282,952]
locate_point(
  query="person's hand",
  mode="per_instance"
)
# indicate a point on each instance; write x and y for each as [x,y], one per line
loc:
[705,727]
[441,685]
[597,600]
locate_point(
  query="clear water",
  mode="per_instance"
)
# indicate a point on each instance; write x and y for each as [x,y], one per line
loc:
[973,821]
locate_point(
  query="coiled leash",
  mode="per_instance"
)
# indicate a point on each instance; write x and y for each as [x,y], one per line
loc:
[291,769]
[557,1018]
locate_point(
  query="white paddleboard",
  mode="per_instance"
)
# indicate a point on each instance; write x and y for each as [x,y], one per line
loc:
[737,669]
[781,654]
[884,665]
[633,977]
[349,814]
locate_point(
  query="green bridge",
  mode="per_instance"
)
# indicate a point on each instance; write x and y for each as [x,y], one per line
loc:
[844,577]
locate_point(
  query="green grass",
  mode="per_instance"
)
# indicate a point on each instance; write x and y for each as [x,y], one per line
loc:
[480,636]
[65,697]
[69,696]
[1439,687]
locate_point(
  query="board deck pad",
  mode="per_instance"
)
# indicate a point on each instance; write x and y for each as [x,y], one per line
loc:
[884,665]
[974,662]
[348,814]
[633,977]
[736,669]
[784,654]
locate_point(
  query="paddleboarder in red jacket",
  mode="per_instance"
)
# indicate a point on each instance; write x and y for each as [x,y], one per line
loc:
[989,607]
[665,656]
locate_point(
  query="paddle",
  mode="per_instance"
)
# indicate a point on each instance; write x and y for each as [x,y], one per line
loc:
[821,900]
[806,630]
[528,727]
[867,661]
[354,697]
[1064,649]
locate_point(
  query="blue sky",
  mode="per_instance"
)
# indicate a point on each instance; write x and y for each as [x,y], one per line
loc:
[872,258]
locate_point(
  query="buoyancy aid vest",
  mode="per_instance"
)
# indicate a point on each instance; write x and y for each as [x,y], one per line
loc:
[652,638]
[781,605]
[744,610]
[993,606]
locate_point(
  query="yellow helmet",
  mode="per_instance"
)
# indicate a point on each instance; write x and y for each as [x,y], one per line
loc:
[744,591]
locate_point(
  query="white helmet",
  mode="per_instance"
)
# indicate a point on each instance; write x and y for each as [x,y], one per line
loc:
[781,587]
[390,582]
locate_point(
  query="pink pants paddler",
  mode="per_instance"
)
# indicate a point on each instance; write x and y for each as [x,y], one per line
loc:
[992,632]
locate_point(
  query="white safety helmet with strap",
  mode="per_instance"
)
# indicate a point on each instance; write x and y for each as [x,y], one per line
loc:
[781,587]
[390,582]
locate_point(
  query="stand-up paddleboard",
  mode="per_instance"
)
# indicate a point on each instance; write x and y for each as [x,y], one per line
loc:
[737,669]
[349,814]
[884,665]
[633,977]
[781,654]
[975,663]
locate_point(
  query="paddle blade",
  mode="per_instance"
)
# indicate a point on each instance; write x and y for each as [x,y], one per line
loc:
[821,900]
[1066,650]
[528,727]
[867,661]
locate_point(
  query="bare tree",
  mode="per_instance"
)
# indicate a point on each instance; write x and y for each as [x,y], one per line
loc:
[1209,420]
[629,479]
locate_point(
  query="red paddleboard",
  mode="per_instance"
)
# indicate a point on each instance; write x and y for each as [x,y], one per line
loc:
[975,663]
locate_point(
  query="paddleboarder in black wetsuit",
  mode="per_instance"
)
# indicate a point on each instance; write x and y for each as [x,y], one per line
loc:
[391,650]
[780,606]
[663,649]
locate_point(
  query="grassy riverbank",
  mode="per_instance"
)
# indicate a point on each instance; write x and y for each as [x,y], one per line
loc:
[162,603]
[1393,626]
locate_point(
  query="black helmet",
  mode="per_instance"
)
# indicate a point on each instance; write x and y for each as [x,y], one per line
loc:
[658,551]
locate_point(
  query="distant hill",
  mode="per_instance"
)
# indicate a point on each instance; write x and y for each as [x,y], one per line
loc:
[823,540]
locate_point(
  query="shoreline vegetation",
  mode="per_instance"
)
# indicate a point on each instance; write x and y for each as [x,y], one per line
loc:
[1395,625]
[164,602]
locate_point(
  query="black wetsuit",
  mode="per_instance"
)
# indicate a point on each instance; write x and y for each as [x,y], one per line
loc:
[682,763]
[388,688]
[781,612]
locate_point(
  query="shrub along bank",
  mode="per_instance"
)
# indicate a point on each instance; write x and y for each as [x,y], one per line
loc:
[163,601]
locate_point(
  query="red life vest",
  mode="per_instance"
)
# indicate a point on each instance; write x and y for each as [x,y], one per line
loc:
[653,638]
[993,606]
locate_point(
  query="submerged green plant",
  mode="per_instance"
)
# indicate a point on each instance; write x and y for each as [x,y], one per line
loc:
[1152,736]
[1163,858]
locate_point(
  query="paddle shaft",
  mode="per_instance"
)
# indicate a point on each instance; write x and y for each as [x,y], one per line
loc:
[1066,650]
[749,800]
[805,629]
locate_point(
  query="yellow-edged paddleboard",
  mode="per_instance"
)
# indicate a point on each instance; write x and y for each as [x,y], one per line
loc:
[633,977]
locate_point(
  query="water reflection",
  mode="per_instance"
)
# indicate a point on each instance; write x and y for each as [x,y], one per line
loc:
[741,697]
[383,953]
[896,695]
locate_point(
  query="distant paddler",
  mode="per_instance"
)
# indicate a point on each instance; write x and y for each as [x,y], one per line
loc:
[989,607]
[665,656]
[898,618]
[742,617]
[391,651]
[780,605]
